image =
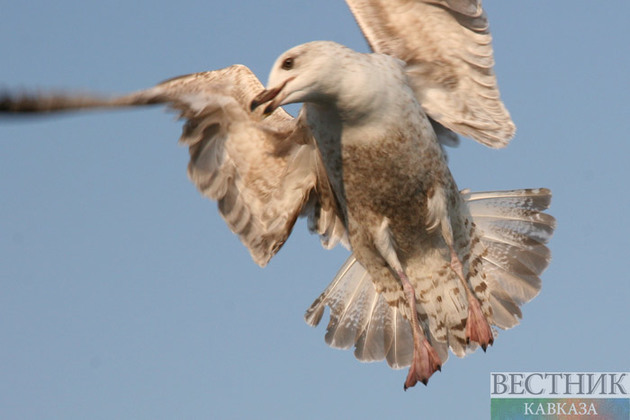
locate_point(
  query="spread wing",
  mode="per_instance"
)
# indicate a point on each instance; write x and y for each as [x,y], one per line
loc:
[447,47]
[263,172]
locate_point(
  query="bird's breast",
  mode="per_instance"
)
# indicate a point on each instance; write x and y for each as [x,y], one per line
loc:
[383,167]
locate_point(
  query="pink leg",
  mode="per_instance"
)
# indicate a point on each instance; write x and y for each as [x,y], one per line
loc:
[477,327]
[425,359]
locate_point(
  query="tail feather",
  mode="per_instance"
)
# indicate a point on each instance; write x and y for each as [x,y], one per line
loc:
[345,325]
[350,296]
[371,344]
[520,287]
[513,215]
[398,328]
[537,199]
[536,230]
[513,231]
[518,259]
[359,316]
[505,312]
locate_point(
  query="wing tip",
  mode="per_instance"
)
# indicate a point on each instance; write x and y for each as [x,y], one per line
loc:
[498,137]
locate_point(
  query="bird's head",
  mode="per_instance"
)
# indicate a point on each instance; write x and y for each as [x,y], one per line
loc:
[306,73]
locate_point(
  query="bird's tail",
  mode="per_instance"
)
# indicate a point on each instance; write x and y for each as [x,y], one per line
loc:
[513,228]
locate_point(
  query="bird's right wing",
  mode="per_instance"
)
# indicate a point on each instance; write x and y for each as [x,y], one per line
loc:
[263,172]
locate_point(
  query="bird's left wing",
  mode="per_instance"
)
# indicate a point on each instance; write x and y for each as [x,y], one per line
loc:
[263,172]
[448,50]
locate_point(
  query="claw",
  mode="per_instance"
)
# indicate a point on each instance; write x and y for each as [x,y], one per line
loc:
[477,327]
[425,363]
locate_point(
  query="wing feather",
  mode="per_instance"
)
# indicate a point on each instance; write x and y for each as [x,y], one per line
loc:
[448,50]
[263,172]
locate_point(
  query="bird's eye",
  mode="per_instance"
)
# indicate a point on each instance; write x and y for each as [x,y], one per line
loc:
[287,64]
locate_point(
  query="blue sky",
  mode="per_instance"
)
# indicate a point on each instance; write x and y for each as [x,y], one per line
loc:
[124,295]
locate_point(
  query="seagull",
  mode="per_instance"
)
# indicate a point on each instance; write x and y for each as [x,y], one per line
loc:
[432,268]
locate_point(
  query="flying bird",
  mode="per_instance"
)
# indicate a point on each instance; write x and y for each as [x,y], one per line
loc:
[432,268]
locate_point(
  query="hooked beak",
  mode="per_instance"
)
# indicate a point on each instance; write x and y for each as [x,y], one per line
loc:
[267,95]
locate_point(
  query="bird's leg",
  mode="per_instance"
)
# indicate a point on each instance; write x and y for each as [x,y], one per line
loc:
[477,327]
[425,359]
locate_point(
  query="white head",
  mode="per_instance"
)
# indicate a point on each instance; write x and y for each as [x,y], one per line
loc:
[310,72]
